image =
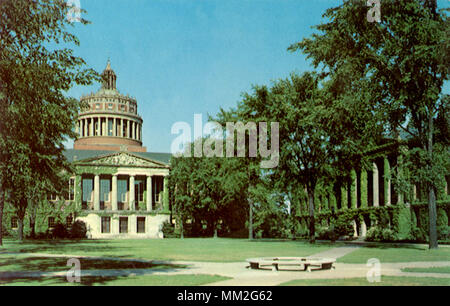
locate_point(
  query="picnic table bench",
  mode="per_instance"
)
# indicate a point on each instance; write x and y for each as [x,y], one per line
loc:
[305,263]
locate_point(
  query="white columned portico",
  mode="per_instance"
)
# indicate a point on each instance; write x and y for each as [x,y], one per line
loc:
[149,193]
[114,193]
[97,192]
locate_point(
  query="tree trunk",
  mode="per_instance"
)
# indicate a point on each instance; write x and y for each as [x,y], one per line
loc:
[33,220]
[312,225]
[432,213]
[181,229]
[250,220]
[215,230]
[20,229]
[2,205]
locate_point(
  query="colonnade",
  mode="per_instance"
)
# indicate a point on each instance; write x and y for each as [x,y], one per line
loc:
[131,200]
[109,126]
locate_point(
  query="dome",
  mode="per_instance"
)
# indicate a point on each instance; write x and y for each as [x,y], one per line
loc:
[109,120]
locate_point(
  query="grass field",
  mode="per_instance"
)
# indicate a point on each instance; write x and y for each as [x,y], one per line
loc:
[9,263]
[15,257]
[389,253]
[428,270]
[195,249]
[385,281]
[144,280]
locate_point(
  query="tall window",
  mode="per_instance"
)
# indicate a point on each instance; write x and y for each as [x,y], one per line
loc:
[106,225]
[72,189]
[14,223]
[140,225]
[69,220]
[123,225]
[124,128]
[110,127]
[52,197]
[88,186]
[122,188]
[105,188]
[139,186]
[51,222]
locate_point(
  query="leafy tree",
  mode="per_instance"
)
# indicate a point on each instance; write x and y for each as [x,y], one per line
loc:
[207,189]
[35,115]
[404,58]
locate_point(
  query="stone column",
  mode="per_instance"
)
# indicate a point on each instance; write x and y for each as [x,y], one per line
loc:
[353,191]
[97,192]
[165,199]
[376,189]
[99,126]
[114,193]
[128,129]
[344,200]
[364,189]
[132,201]
[363,229]
[121,128]
[387,182]
[114,127]
[81,128]
[355,229]
[149,193]
[133,131]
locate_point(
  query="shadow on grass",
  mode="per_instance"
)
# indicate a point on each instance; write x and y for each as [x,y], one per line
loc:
[59,281]
[52,264]
[95,247]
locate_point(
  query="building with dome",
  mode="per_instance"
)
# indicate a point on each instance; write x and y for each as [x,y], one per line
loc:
[120,188]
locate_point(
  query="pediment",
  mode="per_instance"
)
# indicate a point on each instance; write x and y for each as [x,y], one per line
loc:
[124,159]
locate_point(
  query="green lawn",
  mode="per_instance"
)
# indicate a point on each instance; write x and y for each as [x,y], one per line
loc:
[428,270]
[9,263]
[195,249]
[385,281]
[389,253]
[143,280]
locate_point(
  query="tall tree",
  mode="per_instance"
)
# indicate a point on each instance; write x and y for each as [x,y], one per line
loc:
[36,117]
[404,58]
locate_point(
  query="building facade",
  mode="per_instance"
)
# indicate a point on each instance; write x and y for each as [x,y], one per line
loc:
[120,190]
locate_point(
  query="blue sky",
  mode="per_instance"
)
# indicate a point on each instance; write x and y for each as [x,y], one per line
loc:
[186,57]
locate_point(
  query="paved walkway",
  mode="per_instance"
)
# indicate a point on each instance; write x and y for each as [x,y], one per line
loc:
[240,273]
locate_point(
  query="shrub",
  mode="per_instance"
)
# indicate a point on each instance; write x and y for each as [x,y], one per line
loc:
[326,233]
[343,226]
[169,230]
[78,230]
[60,231]
[379,234]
